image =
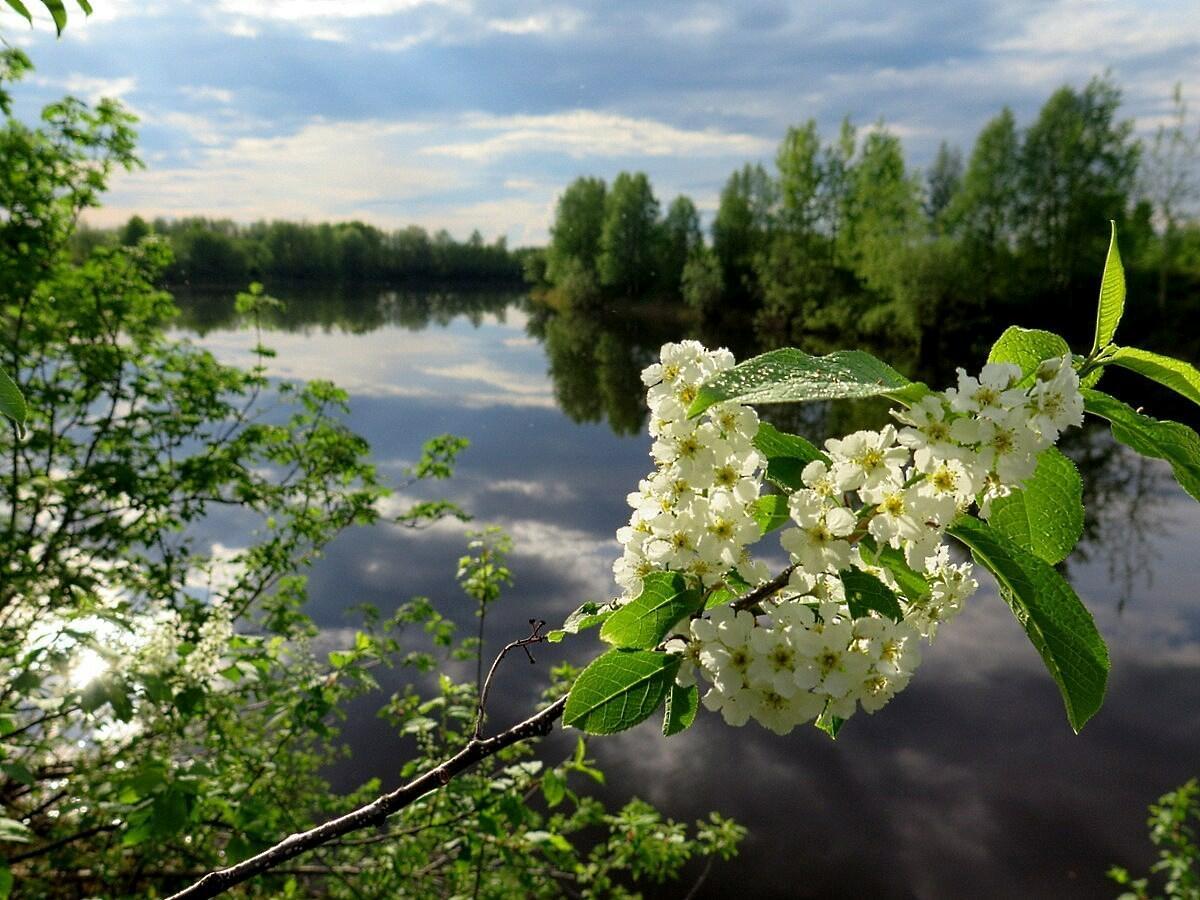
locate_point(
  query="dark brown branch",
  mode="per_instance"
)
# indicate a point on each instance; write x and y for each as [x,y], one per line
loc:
[377,811]
[765,590]
[535,637]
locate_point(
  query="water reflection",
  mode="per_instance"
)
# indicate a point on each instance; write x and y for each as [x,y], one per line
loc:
[969,784]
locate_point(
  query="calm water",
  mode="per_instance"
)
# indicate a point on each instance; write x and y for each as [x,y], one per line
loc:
[970,783]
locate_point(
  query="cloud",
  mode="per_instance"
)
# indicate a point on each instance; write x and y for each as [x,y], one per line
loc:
[321,10]
[207,93]
[90,88]
[561,21]
[589,133]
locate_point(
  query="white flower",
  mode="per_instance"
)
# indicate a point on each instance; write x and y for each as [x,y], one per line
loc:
[817,544]
[1055,403]
[992,393]
[866,458]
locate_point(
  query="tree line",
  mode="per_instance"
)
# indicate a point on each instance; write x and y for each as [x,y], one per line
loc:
[220,251]
[843,240]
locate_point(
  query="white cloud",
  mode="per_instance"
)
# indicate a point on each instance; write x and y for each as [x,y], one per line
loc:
[322,10]
[590,133]
[204,92]
[88,87]
[561,21]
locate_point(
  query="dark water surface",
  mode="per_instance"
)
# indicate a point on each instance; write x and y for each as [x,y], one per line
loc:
[969,784]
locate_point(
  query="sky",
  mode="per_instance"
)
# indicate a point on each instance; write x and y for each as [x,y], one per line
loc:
[464,114]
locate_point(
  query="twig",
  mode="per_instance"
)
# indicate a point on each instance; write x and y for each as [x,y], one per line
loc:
[763,591]
[535,637]
[377,811]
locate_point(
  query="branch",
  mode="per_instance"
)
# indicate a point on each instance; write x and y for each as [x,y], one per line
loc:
[535,637]
[763,591]
[378,810]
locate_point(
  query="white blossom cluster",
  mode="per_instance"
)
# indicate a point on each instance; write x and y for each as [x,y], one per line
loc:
[808,656]
[695,513]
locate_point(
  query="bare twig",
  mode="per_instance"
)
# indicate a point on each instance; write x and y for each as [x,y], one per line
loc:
[535,637]
[377,811]
[765,590]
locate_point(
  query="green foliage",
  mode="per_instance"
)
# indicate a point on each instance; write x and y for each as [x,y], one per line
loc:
[628,238]
[56,8]
[1173,825]
[1027,347]
[793,376]
[866,594]
[680,710]
[619,689]
[771,512]
[578,223]
[1058,625]
[642,623]
[1178,444]
[1045,517]
[1179,376]
[12,402]
[786,454]
[701,282]
[1112,296]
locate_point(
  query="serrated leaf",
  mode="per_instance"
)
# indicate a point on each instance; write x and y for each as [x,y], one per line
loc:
[793,376]
[1112,295]
[644,621]
[619,689]
[587,615]
[1044,517]
[1027,347]
[1159,439]
[1179,376]
[787,455]
[12,402]
[1057,623]
[865,592]
[682,705]
[771,512]
[554,788]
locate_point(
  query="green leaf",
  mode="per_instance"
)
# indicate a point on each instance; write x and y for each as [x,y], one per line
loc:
[1112,295]
[22,10]
[587,615]
[865,592]
[682,705]
[58,12]
[85,6]
[12,402]
[771,512]
[1027,347]
[554,788]
[1159,439]
[793,376]
[912,583]
[6,877]
[619,689]
[829,723]
[1181,377]
[647,619]
[1057,623]
[1046,516]
[787,455]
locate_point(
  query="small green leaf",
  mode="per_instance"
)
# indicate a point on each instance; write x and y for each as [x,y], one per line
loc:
[865,592]
[1046,516]
[554,788]
[1027,347]
[22,10]
[793,376]
[619,689]
[787,455]
[1159,439]
[587,615]
[829,723]
[1057,623]
[649,617]
[912,583]
[682,705]
[12,402]
[771,512]
[1112,295]
[58,12]
[6,877]
[1181,377]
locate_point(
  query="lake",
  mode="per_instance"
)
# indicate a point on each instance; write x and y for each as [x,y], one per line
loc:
[969,783]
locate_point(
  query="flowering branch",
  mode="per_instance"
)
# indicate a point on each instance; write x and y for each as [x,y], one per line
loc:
[377,811]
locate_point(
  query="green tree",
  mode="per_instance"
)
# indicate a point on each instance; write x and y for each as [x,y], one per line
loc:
[741,227]
[942,183]
[578,223]
[701,284]
[1170,183]
[628,251]
[1078,167]
[133,231]
[681,240]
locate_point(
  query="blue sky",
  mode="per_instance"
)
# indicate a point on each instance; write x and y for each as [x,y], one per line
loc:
[464,114]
